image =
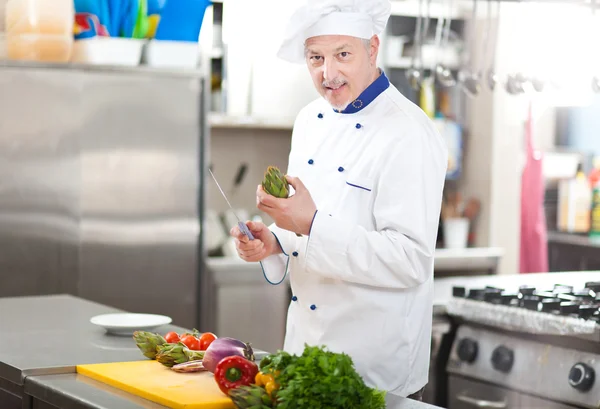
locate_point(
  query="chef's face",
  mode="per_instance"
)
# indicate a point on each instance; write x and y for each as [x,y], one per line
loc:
[341,66]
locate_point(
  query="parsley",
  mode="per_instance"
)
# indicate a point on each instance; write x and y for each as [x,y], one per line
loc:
[320,379]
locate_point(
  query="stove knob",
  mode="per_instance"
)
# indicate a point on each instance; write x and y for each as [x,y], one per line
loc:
[581,377]
[502,359]
[467,350]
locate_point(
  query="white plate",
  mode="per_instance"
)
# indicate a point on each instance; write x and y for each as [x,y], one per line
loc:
[127,323]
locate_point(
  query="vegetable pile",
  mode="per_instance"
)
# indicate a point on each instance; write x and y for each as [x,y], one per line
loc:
[181,352]
[316,379]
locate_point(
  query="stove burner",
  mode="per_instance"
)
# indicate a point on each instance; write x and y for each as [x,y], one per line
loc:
[594,286]
[545,294]
[476,294]
[492,295]
[531,302]
[562,289]
[459,291]
[551,304]
[526,290]
[586,295]
[568,308]
[562,299]
[566,297]
[587,311]
[509,298]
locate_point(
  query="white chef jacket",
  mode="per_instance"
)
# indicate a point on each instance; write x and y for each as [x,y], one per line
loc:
[362,280]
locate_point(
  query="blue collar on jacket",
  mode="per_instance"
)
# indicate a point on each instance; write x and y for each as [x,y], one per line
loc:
[368,95]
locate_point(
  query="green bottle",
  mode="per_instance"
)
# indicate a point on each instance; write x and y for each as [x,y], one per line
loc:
[595,213]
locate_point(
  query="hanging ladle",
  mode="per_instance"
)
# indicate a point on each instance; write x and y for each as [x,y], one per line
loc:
[470,80]
[413,74]
[492,78]
[443,73]
[516,83]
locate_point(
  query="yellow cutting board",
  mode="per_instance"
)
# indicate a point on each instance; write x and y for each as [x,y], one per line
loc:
[153,381]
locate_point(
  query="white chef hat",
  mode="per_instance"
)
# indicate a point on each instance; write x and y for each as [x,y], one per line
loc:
[356,18]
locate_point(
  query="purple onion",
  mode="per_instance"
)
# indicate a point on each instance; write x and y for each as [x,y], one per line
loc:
[222,348]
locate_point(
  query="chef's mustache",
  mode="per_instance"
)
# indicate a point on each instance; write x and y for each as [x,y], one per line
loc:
[336,82]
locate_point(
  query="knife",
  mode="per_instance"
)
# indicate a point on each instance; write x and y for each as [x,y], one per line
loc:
[243,228]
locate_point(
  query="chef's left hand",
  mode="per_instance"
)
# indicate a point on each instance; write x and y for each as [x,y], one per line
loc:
[294,213]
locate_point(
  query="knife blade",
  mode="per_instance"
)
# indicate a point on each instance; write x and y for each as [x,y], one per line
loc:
[243,228]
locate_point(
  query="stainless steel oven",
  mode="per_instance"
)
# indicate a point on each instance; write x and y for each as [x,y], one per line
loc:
[471,394]
[531,349]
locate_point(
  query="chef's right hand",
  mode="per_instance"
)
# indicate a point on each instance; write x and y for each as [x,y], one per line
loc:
[263,245]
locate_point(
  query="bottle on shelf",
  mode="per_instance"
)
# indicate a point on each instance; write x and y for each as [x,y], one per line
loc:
[39,30]
[575,204]
[594,176]
[595,211]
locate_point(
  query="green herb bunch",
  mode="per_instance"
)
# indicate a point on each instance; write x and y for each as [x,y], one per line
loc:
[320,379]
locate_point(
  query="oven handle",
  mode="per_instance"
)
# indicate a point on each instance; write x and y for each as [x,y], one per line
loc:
[481,403]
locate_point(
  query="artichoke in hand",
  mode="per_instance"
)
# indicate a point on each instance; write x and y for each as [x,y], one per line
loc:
[147,342]
[275,184]
[173,354]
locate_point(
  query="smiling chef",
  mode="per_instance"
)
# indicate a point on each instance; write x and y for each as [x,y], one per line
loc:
[367,168]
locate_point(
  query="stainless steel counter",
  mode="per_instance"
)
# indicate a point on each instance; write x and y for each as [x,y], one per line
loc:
[73,391]
[52,334]
[42,340]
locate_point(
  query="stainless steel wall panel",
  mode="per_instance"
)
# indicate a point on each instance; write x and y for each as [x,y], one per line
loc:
[139,187]
[100,186]
[40,125]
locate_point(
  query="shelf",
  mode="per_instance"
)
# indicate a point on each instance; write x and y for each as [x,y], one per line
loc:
[218,120]
[479,259]
[411,9]
[216,53]
[406,62]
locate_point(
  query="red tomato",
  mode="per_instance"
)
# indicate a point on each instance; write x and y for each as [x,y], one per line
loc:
[172,337]
[191,342]
[206,339]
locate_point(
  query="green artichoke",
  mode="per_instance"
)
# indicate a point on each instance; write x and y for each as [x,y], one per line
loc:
[250,397]
[147,342]
[173,354]
[274,183]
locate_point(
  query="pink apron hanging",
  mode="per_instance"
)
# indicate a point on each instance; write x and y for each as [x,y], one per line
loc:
[534,245]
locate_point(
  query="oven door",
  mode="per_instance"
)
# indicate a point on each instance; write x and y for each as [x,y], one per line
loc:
[537,403]
[469,394]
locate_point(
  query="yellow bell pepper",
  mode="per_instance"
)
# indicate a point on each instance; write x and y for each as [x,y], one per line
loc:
[270,387]
[266,380]
[258,379]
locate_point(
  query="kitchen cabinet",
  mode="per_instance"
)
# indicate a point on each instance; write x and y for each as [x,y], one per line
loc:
[241,298]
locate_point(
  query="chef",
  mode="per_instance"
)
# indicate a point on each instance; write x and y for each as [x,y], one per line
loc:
[357,236]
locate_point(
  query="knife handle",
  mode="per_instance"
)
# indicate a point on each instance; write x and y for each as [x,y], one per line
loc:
[244,229]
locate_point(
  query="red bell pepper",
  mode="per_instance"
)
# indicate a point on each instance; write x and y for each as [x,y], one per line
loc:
[234,371]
